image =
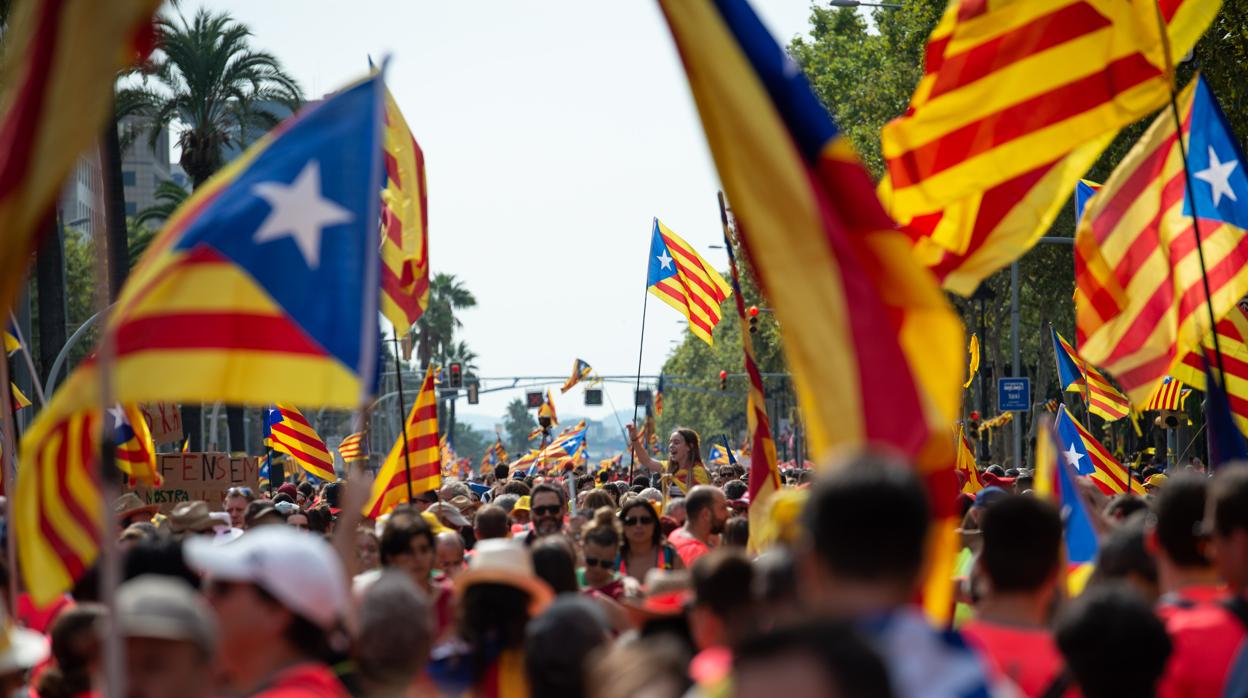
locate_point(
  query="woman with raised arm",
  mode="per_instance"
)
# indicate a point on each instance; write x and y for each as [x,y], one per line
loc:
[684,466]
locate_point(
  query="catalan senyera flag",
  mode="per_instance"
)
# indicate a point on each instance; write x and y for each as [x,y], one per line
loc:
[353,448]
[873,344]
[287,431]
[62,61]
[973,362]
[680,277]
[1088,457]
[417,461]
[1139,292]
[548,410]
[1076,375]
[1017,100]
[261,287]
[404,224]
[1233,341]
[135,452]
[1169,395]
[580,371]
[966,463]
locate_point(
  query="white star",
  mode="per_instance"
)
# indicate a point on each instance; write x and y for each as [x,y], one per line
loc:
[299,212]
[665,260]
[1218,175]
[119,416]
[1073,457]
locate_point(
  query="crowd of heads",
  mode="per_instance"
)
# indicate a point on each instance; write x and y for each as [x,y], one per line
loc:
[570,584]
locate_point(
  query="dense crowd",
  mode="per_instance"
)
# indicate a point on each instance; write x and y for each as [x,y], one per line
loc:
[585,585]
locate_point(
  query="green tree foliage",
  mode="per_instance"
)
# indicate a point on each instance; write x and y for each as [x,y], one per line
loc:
[207,76]
[169,196]
[436,328]
[470,443]
[517,424]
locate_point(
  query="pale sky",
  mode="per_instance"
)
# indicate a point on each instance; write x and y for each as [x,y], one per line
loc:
[553,131]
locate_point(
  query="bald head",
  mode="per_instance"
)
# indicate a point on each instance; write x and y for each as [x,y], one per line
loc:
[449,548]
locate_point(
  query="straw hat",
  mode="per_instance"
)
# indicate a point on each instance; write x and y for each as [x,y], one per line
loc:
[193,517]
[129,504]
[505,561]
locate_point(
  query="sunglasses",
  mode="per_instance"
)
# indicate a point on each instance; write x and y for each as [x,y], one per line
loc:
[604,564]
[245,491]
[638,521]
[548,510]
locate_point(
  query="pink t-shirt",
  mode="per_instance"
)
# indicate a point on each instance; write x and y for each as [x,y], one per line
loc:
[687,547]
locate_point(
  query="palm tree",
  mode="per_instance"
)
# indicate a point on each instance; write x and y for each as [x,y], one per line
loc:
[437,326]
[169,196]
[222,92]
[458,352]
[209,78]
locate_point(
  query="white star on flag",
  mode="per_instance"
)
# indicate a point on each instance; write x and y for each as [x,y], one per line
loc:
[299,212]
[665,260]
[119,416]
[1072,457]
[1218,175]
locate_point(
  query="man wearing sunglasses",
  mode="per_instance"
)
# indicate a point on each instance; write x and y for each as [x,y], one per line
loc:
[547,507]
[236,501]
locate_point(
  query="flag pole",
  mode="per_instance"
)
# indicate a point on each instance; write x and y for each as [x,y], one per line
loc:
[1188,193]
[398,374]
[632,455]
[9,430]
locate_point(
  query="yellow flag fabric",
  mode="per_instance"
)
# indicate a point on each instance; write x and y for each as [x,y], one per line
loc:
[973,350]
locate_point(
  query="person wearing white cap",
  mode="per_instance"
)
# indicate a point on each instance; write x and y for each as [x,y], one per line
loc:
[20,651]
[170,638]
[278,594]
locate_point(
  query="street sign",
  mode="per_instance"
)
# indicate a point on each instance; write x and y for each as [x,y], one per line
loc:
[1014,394]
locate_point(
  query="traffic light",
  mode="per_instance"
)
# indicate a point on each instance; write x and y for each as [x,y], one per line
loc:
[642,398]
[473,392]
[593,397]
[456,379]
[972,425]
[533,399]
[723,380]
[1167,419]
[753,313]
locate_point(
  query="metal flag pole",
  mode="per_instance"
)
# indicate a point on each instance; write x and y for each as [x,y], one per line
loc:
[398,374]
[632,455]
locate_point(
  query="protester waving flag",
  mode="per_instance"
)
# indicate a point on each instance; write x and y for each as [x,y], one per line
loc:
[580,371]
[287,431]
[680,277]
[261,287]
[1139,287]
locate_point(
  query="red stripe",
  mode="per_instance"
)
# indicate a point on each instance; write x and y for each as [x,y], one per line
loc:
[19,132]
[1117,201]
[1040,34]
[392,169]
[688,262]
[392,225]
[1221,273]
[294,439]
[419,472]
[394,289]
[693,298]
[214,330]
[294,416]
[1021,119]
[666,287]
[72,563]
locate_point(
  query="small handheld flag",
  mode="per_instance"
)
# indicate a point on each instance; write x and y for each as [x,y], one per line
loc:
[1077,375]
[580,371]
[680,277]
[353,448]
[413,467]
[973,366]
[135,452]
[1089,457]
[287,431]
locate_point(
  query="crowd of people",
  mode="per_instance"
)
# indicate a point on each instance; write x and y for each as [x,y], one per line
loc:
[580,584]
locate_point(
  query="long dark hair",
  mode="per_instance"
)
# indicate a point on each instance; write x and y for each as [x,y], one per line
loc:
[492,618]
[694,442]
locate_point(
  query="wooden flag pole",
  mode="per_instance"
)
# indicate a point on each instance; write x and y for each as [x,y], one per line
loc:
[1188,193]
[407,458]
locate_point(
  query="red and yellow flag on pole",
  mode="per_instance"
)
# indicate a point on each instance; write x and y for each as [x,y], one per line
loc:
[418,461]
[62,61]
[404,224]
[873,344]
[1017,101]
[1233,340]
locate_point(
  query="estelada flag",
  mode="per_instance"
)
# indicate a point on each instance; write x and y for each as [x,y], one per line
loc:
[261,287]
[677,275]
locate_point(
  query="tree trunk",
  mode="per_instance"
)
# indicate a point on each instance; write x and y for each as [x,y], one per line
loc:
[50,281]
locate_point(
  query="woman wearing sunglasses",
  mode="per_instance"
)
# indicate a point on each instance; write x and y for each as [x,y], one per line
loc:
[600,547]
[644,548]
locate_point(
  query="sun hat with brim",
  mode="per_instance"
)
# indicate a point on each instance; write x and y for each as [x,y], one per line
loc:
[447,511]
[434,524]
[165,608]
[130,504]
[191,517]
[464,504]
[507,562]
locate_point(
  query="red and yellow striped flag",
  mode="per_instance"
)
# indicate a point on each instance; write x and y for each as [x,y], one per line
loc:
[764,478]
[1103,399]
[1169,395]
[1139,288]
[292,434]
[1109,475]
[680,277]
[1233,340]
[417,461]
[353,448]
[873,344]
[404,225]
[1017,101]
[63,59]
[57,505]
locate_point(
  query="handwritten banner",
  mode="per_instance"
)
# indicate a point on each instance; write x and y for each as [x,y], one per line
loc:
[201,476]
[164,419]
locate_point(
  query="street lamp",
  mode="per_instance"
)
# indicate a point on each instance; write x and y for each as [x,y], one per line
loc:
[859,3]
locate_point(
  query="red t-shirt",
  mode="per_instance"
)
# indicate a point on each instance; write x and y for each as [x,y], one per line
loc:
[1027,656]
[310,680]
[687,547]
[1206,639]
